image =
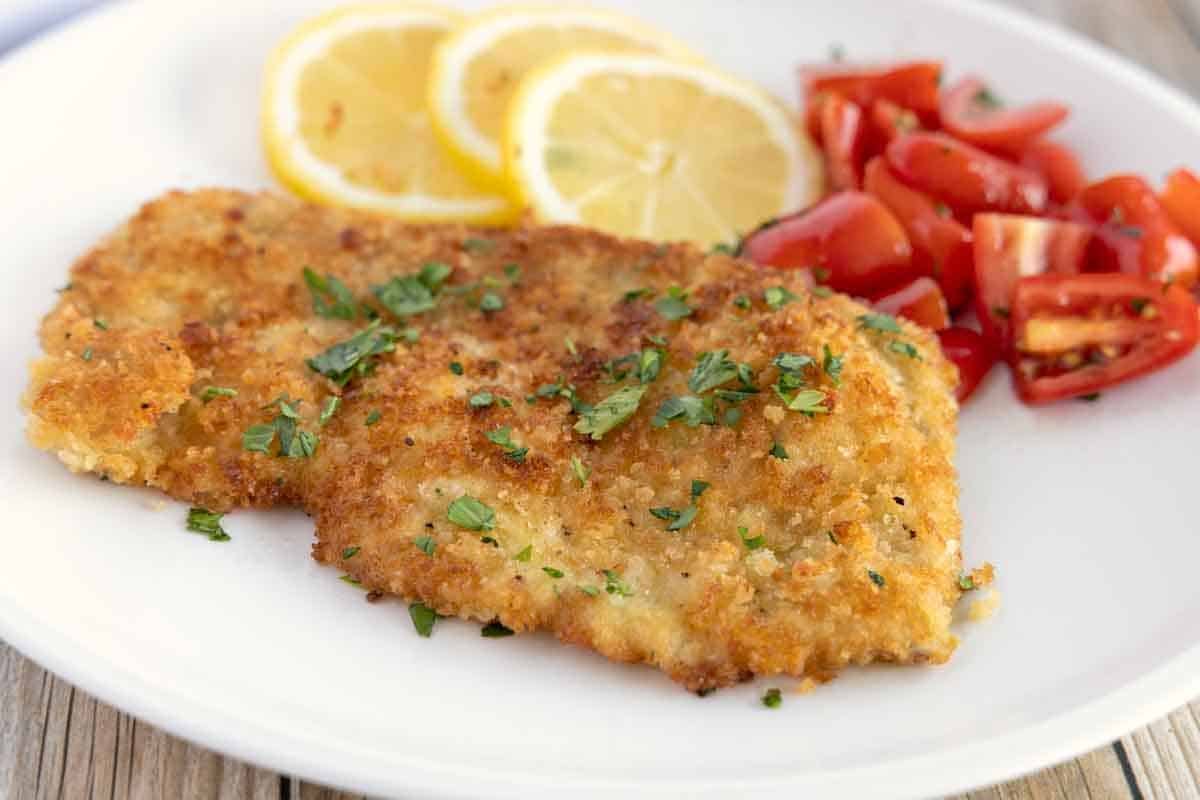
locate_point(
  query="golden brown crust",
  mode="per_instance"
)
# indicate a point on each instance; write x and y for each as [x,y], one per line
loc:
[860,523]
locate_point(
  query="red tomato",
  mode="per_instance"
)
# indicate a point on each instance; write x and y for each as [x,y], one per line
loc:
[920,301]
[971,353]
[889,120]
[972,113]
[1059,165]
[965,177]
[1181,199]
[912,85]
[1077,334]
[1134,233]
[1008,248]
[842,129]
[849,234]
[941,246]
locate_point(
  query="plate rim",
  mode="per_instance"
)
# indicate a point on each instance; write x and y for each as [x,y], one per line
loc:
[997,758]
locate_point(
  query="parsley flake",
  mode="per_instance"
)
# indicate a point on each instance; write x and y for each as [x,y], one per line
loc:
[495,630]
[213,392]
[904,348]
[480,400]
[525,554]
[426,544]
[674,306]
[100,324]
[751,542]
[966,583]
[712,369]
[778,451]
[330,297]
[355,356]
[610,412]
[502,437]
[373,417]
[86,355]
[350,552]
[423,618]
[329,409]
[467,512]
[636,294]
[692,410]
[614,585]
[833,366]
[456,368]
[407,295]
[876,578]
[257,438]
[723,248]
[777,297]
[201,520]
[350,579]
[581,472]
[491,302]
[552,572]
[476,245]
[884,323]
[742,302]
[589,590]
[772,698]
[807,401]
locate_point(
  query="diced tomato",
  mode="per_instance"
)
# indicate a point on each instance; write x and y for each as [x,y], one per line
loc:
[971,353]
[965,177]
[1134,232]
[911,85]
[920,301]
[973,114]
[1059,165]
[842,129]
[1181,199]
[1008,248]
[850,235]
[1077,334]
[941,246]
[889,120]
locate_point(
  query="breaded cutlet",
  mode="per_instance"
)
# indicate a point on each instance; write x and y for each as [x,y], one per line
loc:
[669,457]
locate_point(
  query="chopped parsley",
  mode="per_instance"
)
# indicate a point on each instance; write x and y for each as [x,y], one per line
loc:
[904,348]
[987,98]
[614,585]
[569,343]
[691,409]
[1090,398]
[772,698]
[423,618]
[294,442]
[467,512]
[589,590]
[480,400]
[712,369]
[213,392]
[636,294]
[778,451]
[330,297]
[491,302]
[525,554]
[678,519]
[751,542]
[502,437]
[350,580]
[966,583]
[100,324]
[489,540]
[86,355]
[426,544]
[355,356]
[581,472]
[513,273]
[777,297]
[257,438]
[742,302]
[476,245]
[373,417]
[732,417]
[674,306]
[833,366]
[495,630]
[884,323]
[808,401]
[456,368]
[723,248]
[201,520]
[822,292]
[645,365]
[350,552]
[876,578]
[552,572]
[407,295]
[789,385]
[329,409]
[610,412]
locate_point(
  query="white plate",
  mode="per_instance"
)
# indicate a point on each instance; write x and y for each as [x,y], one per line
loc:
[252,648]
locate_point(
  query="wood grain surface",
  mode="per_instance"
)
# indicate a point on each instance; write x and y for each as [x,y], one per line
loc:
[56,741]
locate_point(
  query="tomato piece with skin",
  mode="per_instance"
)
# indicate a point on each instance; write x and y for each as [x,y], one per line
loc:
[850,235]
[1181,199]
[842,130]
[1009,248]
[971,353]
[1060,167]
[912,85]
[1077,334]
[920,301]
[966,178]
[1134,233]
[971,113]
[942,247]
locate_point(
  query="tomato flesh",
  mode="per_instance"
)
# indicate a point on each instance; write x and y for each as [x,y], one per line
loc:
[849,235]
[842,130]
[971,353]
[1010,247]
[920,301]
[1077,334]
[1060,167]
[1181,199]
[969,111]
[966,178]
[1134,233]
[912,85]
[942,247]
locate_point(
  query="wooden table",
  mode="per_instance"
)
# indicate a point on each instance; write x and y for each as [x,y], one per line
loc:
[56,741]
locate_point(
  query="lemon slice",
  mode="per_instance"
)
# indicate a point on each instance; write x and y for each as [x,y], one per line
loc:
[477,69]
[646,146]
[345,119]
